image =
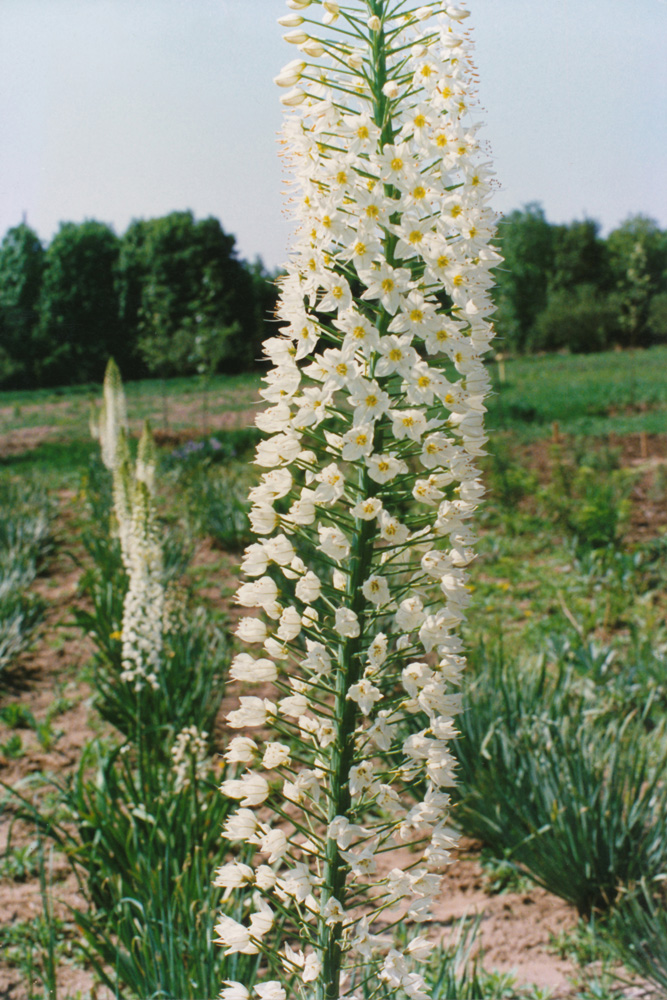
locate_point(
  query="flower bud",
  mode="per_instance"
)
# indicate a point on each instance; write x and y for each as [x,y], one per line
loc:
[290,74]
[390,89]
[296,37]
[312,48]
[457,13]
[298,4]
[374,23]
[293,98]
[332,11]
[290,20]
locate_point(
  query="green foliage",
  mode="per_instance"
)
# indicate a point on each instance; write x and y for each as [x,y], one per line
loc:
[21,270]
[562,287]
[193,662]
[169,296]
[526,242]
[579,319]
[594,508]
[144,837]
[573,802]
[656,321]
[24,541]
[79,326]
[637,933]
[589,395]
[189,298]
[218,503]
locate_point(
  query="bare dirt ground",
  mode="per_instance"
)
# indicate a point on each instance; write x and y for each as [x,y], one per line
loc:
[517,928]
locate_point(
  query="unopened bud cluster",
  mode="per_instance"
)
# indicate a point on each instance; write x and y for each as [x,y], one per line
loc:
[357,581]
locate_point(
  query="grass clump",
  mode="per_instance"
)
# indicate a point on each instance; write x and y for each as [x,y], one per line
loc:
[25,540]
[574,803]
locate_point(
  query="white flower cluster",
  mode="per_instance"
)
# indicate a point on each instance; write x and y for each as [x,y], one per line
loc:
[134,507]
[189,754]
[376,405]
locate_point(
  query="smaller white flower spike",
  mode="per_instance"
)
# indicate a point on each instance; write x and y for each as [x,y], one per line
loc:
[355,582]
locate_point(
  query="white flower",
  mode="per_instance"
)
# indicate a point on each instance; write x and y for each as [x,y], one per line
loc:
[241,750]
[275,755]
[377,651]
[383,468]
[246,668]
[240,826]
[234,937]
[265,877]
[278,450]
[347,623]
[376,590]
[251,630]
[318,660]
[357,442]
[234,991]
[342,831]
[333,542]
[333,912]
[262,593]
[365,694]
[234,875]
[252,789]
[290,624]
[279,549]
[308,588]
[263,519]
[368,509]
[293,705]
[271,990]
[255,560]
[253,712]
[410,614]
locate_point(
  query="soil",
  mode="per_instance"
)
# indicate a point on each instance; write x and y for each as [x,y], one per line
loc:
[517,929]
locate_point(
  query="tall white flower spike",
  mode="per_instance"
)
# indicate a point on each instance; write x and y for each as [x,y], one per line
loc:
[358,578]
[134,509]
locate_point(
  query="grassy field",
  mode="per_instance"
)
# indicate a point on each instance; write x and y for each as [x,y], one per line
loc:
[588,395]
[562,757]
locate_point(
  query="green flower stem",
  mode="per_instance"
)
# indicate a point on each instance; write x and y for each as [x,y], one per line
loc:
[349,664]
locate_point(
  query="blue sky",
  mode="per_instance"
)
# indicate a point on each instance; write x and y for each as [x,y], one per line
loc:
[119,109]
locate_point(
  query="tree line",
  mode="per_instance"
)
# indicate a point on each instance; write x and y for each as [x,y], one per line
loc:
[168,297]
[564,287]
[171,297]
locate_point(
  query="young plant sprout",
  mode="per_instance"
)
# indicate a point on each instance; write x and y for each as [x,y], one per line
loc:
[356,584]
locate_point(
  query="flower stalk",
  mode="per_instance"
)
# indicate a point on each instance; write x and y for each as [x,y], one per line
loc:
[357,582]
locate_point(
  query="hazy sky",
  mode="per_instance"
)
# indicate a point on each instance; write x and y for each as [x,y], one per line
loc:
[120,109]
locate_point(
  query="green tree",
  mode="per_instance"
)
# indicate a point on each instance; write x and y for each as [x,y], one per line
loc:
[638,258]
[580,257]
[178,278]
[527,242]
[21,270]
[79,325]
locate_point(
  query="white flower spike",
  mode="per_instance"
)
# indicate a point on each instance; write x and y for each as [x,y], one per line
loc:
[375,406]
